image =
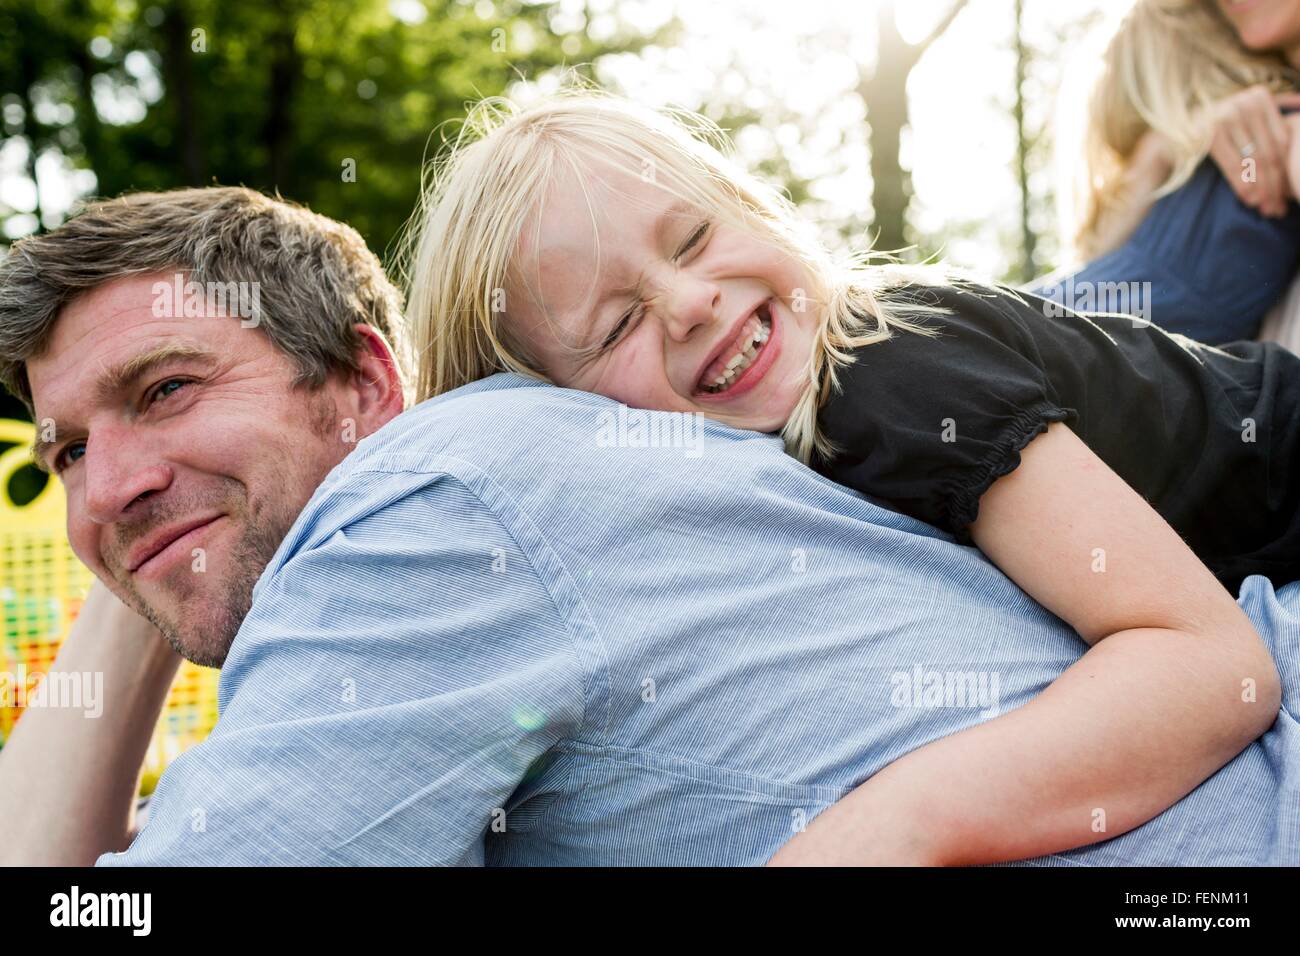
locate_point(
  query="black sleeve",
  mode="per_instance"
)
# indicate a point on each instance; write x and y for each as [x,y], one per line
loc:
[929,423]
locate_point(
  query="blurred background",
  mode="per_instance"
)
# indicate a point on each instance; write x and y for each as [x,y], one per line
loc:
[929,126]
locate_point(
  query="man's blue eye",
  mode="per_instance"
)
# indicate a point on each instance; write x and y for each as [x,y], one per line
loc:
[69,455]
[163,390]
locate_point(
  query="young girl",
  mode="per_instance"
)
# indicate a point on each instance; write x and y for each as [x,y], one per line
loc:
[606,248]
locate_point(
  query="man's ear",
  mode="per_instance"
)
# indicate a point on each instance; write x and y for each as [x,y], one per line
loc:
[378,384]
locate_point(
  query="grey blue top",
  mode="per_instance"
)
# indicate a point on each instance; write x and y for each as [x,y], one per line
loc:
[507,631]
[1214,266]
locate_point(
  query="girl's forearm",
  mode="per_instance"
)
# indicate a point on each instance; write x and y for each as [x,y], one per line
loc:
[1137,723]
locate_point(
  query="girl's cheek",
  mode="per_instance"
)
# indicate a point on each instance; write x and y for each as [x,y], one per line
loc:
[640,382]
[616,379]
[783,274]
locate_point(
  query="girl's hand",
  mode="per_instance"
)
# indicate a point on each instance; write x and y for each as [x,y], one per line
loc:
[873,826]
[1250,143]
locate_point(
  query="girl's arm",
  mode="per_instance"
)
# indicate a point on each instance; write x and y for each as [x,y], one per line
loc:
[1179,685]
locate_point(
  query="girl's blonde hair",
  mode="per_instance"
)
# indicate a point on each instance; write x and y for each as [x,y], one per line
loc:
[1166,64]
[485,191]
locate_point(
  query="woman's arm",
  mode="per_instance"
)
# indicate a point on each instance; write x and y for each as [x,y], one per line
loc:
[1249,142]
[1177,682]
[1147,170]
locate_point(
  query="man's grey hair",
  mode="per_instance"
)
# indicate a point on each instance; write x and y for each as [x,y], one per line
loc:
[315,277]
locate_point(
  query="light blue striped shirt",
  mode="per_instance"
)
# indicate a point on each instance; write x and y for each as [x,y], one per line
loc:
[503,632]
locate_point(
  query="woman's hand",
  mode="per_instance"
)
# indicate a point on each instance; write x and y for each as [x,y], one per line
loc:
[1250,144]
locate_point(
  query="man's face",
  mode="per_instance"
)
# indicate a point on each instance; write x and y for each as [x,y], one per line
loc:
[185,452]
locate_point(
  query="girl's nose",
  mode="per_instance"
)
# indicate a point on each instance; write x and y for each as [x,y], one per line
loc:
[690,303]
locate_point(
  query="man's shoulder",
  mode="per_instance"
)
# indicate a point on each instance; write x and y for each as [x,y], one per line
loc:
[516,428]
[482,418]
[511,439]
[524,455]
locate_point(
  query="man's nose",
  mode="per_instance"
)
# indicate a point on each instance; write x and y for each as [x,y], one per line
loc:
[691,302]
[118,472]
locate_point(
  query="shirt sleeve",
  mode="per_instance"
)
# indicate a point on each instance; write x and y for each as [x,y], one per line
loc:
[389,690]
[928,424]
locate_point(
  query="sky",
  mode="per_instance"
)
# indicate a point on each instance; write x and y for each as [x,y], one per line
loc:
[806,56]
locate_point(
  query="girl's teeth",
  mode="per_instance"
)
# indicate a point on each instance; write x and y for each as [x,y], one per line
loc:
[760,331]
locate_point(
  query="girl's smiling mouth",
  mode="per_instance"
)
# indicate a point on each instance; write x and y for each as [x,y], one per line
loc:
[744,360]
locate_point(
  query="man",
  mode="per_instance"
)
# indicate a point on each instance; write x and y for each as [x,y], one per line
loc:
[189,432]
[683,658]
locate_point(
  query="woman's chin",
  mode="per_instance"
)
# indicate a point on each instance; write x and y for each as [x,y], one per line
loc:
[1268,40]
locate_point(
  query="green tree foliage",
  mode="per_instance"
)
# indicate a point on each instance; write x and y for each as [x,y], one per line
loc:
[329,102]
[336,104]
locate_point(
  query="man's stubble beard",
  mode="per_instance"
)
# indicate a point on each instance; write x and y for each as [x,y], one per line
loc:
[205,637]
[207,643]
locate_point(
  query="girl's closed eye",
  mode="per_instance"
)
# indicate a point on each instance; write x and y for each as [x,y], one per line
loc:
[630,316]
[694,240]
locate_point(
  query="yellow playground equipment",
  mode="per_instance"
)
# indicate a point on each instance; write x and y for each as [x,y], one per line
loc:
[42,586]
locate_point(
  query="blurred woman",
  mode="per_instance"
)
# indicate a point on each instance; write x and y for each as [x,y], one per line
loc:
[1184,206]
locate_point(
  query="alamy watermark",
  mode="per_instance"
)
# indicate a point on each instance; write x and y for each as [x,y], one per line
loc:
[635,428]
[133,911]
[1084,295]
[182,298]
[926,688]
[73,690]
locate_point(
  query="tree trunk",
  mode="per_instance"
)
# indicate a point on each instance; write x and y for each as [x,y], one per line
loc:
[31,130]
[88,125]
[278,131]
[886,98]
[180,81]
[885,95]
[1028,240]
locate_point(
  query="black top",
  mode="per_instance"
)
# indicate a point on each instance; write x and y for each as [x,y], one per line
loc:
[1209,436]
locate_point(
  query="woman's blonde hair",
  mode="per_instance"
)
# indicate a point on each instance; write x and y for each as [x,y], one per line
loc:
[485,190]
[1165,65]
